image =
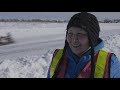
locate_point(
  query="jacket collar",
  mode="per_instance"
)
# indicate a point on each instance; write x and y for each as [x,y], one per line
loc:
[98,46]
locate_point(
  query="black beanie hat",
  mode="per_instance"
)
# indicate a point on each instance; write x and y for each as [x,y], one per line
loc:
[87,22]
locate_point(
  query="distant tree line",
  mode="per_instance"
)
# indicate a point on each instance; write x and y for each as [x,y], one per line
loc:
[55,21]
[32,20]
[110,21]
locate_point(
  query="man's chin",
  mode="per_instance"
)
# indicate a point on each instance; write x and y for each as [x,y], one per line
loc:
[76,47]
[77,51]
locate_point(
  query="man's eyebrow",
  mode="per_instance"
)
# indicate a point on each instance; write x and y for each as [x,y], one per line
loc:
[81,33]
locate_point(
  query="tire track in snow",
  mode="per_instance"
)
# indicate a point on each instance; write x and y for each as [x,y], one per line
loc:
[39,47]
[36,45]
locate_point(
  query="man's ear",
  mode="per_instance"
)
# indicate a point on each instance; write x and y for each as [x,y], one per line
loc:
[66,40]
[66,43]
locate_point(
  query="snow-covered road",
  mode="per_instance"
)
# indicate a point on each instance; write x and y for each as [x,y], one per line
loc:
[29,48]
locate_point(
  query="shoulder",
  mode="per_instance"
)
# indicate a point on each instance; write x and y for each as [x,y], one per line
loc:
[55,51]
[52,53]
[114,59]
[115,67]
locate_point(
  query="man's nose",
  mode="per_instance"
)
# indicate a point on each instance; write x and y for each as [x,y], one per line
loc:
[75,38]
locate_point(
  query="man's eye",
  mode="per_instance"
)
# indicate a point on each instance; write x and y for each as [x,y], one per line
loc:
[70,34]
[81,35]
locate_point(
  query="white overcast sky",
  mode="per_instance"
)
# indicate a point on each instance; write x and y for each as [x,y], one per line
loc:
[55,15]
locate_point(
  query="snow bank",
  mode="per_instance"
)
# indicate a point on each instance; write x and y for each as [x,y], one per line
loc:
[26,67]
[112,44]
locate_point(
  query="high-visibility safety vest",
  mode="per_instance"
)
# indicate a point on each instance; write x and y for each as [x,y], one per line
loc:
[102,65]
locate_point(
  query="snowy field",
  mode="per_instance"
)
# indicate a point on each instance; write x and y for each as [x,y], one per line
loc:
[30,55]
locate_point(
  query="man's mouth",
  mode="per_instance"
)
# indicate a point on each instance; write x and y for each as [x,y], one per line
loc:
[76,46]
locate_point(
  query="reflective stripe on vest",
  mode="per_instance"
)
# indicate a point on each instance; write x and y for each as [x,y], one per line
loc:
[100,64]
[55,62]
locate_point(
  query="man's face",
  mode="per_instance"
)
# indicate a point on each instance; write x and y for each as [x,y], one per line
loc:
[77,40]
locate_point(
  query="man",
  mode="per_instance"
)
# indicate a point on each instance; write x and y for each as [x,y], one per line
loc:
[82,55]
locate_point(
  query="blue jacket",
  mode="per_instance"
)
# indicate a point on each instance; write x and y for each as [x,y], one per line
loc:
[76,64]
